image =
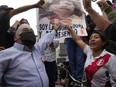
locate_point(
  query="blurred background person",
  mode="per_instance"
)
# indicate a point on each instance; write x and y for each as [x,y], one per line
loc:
[14,28]
[49,59]
[67,12]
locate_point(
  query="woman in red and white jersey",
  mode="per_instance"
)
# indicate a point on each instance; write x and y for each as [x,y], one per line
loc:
[100,64]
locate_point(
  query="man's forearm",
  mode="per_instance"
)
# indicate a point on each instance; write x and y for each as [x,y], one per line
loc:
[22,9]
[100,22]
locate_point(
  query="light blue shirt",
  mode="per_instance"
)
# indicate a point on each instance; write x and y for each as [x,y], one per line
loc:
[21,68]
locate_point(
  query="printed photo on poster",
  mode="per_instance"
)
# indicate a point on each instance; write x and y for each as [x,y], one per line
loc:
[62,12]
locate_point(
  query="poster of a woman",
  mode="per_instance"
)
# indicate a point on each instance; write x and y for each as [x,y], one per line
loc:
[62,12]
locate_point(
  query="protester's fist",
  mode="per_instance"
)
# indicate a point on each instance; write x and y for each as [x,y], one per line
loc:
[16,24]
[87,4]
[40,4]
[103,5]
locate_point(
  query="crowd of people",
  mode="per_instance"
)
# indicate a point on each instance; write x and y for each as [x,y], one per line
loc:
[28,62]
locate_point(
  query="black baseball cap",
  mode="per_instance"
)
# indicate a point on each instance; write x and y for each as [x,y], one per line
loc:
[5,7]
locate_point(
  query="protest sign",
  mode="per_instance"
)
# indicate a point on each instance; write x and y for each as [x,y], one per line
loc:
[62,12]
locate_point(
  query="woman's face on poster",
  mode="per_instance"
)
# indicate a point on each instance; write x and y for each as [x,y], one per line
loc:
[63,7]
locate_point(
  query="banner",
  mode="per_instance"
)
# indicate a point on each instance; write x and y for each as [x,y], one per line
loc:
[62,12]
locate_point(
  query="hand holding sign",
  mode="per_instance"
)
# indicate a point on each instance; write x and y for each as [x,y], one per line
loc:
[61,21]
[56,27]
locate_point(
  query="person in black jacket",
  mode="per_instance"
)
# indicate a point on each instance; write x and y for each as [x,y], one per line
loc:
[6,13]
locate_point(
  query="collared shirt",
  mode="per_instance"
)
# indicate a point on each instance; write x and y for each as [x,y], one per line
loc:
[20,67]
[98,66]
[50,52]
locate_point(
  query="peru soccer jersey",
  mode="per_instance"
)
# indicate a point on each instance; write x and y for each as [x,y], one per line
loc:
[96,67]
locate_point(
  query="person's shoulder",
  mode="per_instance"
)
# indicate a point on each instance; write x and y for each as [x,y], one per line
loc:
[109,53]
[7,51]
[87,49]
[111,27]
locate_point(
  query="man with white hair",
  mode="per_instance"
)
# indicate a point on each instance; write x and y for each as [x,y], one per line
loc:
[21,65]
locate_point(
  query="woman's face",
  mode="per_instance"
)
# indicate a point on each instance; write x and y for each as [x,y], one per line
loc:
[63,7]
[95,42]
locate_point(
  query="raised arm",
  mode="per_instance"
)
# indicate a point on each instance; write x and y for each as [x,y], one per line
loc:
[100,21]
[54,44]
[76,38]
[108,10]
[46,40]
[27,7]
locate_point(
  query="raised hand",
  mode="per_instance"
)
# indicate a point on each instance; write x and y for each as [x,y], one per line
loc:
[103,4]
[87,4]
[16,24]
[40,4]
[56,26]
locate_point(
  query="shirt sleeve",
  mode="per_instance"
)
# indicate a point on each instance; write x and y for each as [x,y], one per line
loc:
[111,13]
[86,49]
[55,43]
[112,67]
[45,41]
[4,62]
[11,31]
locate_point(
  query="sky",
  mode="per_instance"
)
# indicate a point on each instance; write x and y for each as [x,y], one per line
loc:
[30,15]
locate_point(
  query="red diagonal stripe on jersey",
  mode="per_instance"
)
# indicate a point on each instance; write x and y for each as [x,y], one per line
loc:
[95,66]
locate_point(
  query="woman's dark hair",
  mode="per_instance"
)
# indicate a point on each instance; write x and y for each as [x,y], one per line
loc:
[102,35]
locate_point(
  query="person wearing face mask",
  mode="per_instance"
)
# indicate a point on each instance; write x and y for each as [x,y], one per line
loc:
[21,64]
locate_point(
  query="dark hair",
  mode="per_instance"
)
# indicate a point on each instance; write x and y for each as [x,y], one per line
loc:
[21,21]
[109,3]
[102,35]
[88,19]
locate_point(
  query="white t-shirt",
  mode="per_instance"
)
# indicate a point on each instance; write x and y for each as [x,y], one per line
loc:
[50,52]
[96,67]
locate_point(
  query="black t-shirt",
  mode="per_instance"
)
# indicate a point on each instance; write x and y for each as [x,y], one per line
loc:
[6,39]
[111,32]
